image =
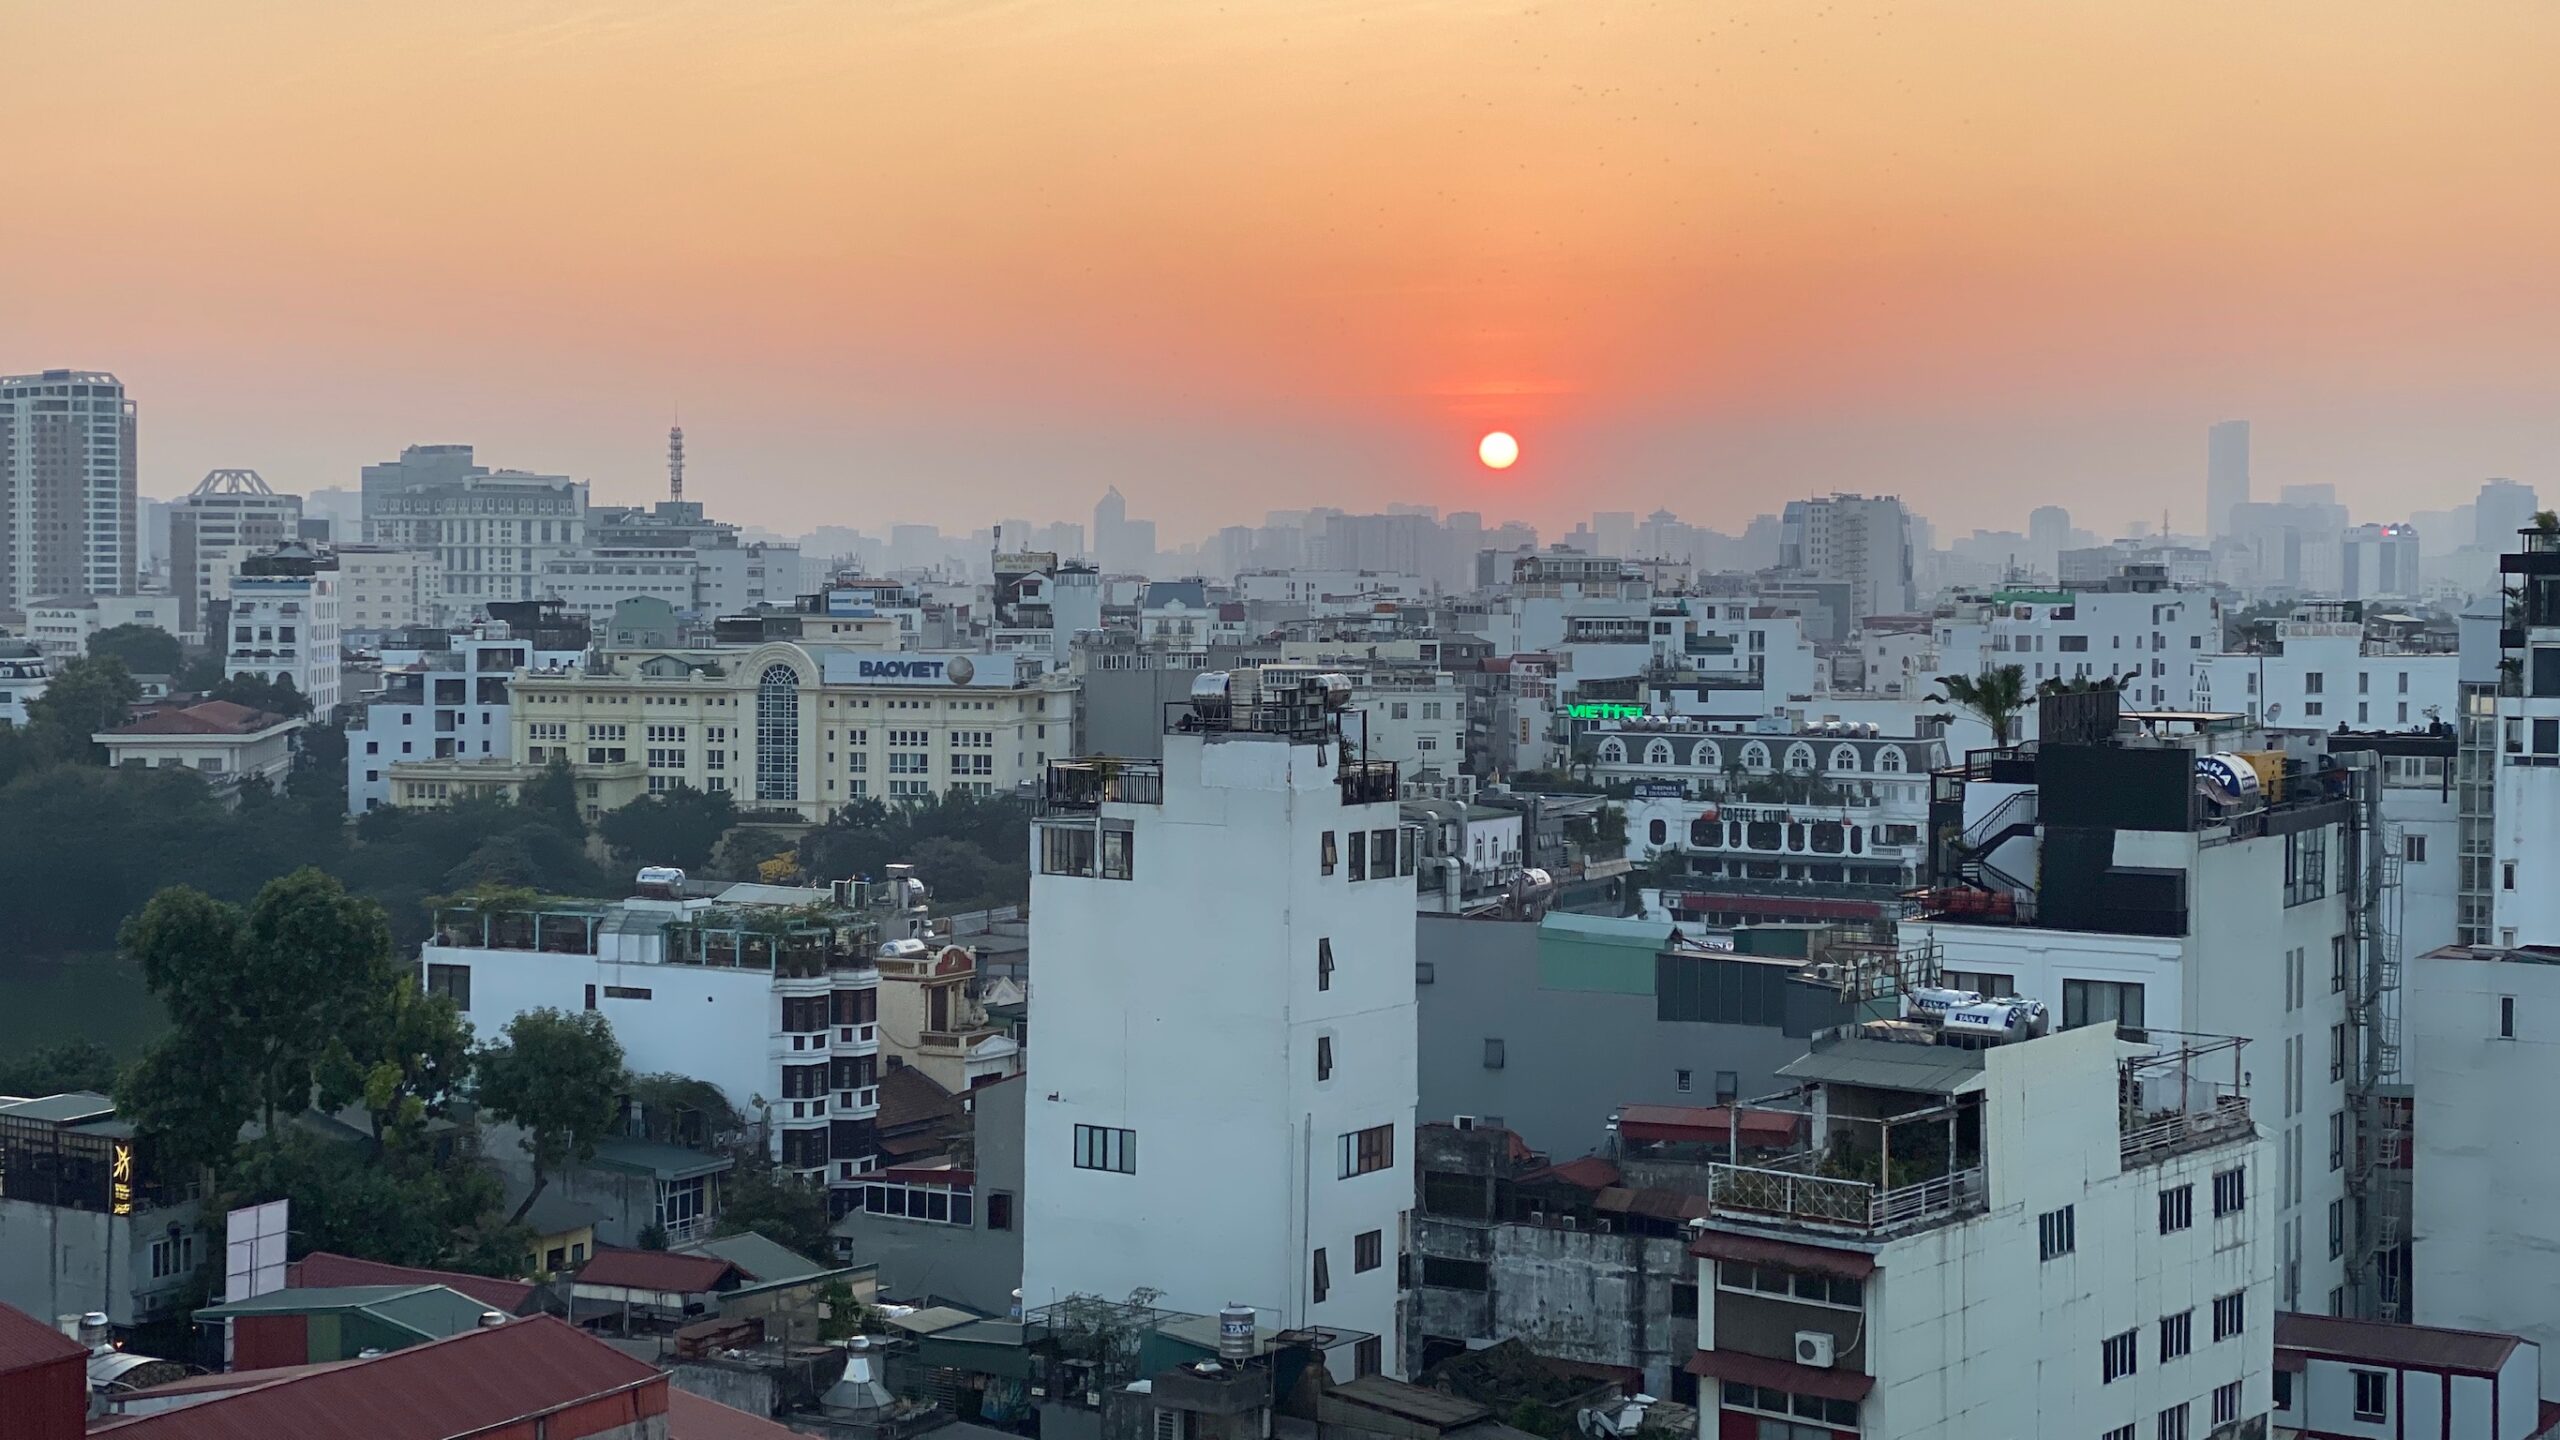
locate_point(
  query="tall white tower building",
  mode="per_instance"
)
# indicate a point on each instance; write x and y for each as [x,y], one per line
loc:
[1223,1112]
[68,513]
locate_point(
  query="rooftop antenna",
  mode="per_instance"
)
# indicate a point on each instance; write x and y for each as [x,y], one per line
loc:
[675,461]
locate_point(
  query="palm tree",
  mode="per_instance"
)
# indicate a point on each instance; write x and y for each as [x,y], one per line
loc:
[1996,695]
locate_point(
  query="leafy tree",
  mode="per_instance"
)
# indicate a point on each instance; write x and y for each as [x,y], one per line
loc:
[144,649]
[404,1063]
[400,1208]
[553,796]
[84,697]
[866,836]
[276,697]
[681,827]
[198,676]
[1996,696]
[319,777]
[776,1204]
[69,1065]
[559,1076]
[261,993]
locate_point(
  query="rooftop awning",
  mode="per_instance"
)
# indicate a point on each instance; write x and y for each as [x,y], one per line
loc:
[1754,1250]
[1779,1375]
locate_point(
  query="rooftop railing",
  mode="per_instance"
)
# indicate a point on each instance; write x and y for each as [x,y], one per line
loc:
[1074,785]
[1786,1192]
[1367,782]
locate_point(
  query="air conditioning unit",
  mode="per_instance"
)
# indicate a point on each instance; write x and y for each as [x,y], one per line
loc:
[1463,1122]
[1814,1347]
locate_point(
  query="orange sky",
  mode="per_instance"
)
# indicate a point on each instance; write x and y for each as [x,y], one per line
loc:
[949,259]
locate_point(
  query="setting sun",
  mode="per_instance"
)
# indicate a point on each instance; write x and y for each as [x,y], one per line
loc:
[1498,450]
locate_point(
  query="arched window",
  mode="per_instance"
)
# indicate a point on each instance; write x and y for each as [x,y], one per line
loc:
[1612,753]
[778,734]
[1889,759]
[1657,832]
[1844,757]
[1800,758]
[1707,755]
[1857,840]
[1658,753]
[1755,756]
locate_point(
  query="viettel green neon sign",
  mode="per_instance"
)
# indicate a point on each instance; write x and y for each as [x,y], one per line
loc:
[1605,710]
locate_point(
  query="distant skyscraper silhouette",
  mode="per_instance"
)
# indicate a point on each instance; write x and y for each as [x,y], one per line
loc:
[2504,507]
[2226,474]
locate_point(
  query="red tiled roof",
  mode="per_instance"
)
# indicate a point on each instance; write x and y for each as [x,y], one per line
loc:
[655,1270]
[1780,1375]
[2417,1347]
[1591,1172]
[26,1342]
[320,1270]
[1707,1124]
[457,1386]
[690,1417]
[213,717]
[1752,1250]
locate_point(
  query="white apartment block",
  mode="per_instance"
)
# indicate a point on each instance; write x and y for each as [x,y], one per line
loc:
[2100,881]
[2481,1027]
[1245,1139]
[804,728]
[770,993]
[1861,541]
[61,627]
[448,703]
[491,533]
[747,575]
[2062,1236]
[384,589]
[592,580]
[70,519]
[2149,638]
[23,679]
[2525,824]
[2325,674]
[284,622]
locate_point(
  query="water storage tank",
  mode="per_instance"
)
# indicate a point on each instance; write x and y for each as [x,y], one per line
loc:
[902,949]
[1999,1024]
[661,877]
[1337,689]
[1935,1000]
[1213,695]
[1235,1333]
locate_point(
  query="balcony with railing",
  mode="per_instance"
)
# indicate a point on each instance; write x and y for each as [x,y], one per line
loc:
[1795,1192]
[1080,786]
[1367,782]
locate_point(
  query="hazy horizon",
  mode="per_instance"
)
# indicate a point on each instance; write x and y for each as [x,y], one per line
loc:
[945,261]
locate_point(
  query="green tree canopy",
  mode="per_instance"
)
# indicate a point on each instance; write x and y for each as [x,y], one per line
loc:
[398,1208]
[69,1065]
[276,697]
[143,649]
[558,1075]
[1996,696]
[867,836]
[552,796]
[84,697]
[681,827]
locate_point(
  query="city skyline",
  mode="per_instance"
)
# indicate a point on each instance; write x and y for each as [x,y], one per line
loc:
[938,261]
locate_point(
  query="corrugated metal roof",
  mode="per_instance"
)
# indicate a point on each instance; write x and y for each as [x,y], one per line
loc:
[63,1108]
[437,1391]
[691,1417]
[2419,1347]
[1707,1124]
[655,1270]
[321,1269]
[666,1162]
[1889,1065]
[1608,929]
[756,1256]
[26,1342]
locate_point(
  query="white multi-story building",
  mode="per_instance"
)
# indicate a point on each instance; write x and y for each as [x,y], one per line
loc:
[70,520]
[1247,1140]
[284,622]
[2064,1235]
[804,726]
[491,532]
[61,627]
[591,580]
[739,576]
[384,589]
[769,992]
[1861,541]
[2480,1028]
[2324,672]
[450,701]
[2097,878]
[2525,816]
[2146,635]
[24,674]
[230,515]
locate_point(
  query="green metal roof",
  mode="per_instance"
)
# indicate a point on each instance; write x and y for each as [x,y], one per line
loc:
[427,1311]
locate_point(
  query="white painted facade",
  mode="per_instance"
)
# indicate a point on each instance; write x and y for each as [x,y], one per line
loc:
[2327,676]
[2152,638]
[2248,965]
[284,626]
[1981,1324]
[23,679]
[1203,1014]
[2481,1036]
[2366,1380]
[385,589]
[61,628]
[447,704]
[794,1047]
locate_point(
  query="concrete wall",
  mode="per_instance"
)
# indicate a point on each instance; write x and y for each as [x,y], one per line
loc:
[56,1261]
[968,1264]
[1121,712]
[1568,1294]
[1570,1056]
